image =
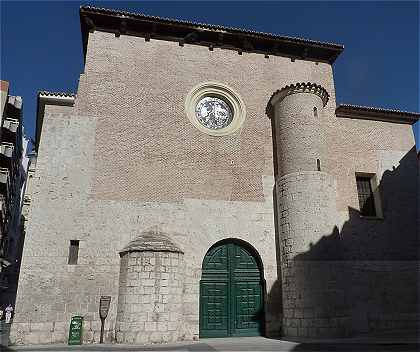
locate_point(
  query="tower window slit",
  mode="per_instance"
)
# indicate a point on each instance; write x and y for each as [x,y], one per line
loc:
[315,112]
[318,164]
[73,252]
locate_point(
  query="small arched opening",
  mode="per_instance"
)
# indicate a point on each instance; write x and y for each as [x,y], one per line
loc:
[231,291]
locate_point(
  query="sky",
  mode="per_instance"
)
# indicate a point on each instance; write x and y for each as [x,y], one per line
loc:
[41,46]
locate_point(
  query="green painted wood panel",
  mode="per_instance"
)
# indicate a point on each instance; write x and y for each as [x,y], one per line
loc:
[231,295]
[248,308]
[214,313]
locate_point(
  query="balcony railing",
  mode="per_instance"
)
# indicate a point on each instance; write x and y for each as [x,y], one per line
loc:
[6,149]
[4,181]
[11,124]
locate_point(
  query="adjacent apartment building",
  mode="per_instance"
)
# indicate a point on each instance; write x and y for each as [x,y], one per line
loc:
[13,170]
[205,179]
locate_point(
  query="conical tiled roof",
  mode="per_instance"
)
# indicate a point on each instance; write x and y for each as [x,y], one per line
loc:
[152,240]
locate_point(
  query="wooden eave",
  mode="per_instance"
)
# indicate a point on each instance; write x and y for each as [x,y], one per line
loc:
[150,27]
[376,114]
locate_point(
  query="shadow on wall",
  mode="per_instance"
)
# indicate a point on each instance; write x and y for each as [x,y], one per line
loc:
[274,297]
[369,270]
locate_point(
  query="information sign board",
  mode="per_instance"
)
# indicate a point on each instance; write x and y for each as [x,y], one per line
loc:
[76,330]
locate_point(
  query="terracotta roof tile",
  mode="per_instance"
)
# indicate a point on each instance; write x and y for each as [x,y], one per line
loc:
[56,94]
[208,26]
[376,113]
[97,18]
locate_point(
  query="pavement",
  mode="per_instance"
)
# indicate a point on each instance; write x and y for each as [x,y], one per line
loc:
[246,344]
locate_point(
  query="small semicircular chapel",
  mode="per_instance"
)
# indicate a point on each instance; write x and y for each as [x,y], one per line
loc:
[205,179]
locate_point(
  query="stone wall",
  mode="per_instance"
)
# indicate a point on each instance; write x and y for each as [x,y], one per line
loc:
[50,291]
[79,147]
[381,254]
[313,304]
[126,158]
[150,297]
[137,92]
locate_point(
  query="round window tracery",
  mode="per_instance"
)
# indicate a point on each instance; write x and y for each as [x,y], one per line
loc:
[215,109]
[213,113]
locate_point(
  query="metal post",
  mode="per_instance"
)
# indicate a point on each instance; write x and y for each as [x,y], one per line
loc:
[104,303]
[102,330]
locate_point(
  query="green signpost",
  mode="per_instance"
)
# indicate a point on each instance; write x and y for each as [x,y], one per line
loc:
[76,330]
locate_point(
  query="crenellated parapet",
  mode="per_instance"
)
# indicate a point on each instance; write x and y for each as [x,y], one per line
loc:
[301,87]
[296,111]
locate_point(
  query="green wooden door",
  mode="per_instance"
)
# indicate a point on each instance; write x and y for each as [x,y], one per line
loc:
[231,295]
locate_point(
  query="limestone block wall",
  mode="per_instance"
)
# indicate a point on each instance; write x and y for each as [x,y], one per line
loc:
[126,158]
[383,296]
[50,290]
[306,211]
[314,306]
[381,254]
[150,297]
[200,188]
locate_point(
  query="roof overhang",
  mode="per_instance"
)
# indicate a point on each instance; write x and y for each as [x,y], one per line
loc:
[49,98]
[184,32]
[376,114]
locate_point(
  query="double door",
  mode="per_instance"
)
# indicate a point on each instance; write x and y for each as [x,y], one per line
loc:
[231,294]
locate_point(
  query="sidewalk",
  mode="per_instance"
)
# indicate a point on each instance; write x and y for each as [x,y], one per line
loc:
[248,344]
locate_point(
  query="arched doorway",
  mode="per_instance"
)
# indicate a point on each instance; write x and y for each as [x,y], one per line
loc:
[231,291]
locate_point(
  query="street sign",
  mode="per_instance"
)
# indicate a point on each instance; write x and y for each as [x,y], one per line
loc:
[76,330]
[104,303]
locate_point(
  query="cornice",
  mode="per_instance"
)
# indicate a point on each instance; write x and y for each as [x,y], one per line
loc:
[186,32]
[376,114]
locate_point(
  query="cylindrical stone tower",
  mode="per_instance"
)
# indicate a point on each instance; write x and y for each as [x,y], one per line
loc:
[306,199]
[151,290]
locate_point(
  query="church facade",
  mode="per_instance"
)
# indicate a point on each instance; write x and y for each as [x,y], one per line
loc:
[205,179]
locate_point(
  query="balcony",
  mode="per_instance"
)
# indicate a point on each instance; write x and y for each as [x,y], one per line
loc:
[4,181]
[3,208]
[11,124]
[27,199]
[26,206]
[6,149]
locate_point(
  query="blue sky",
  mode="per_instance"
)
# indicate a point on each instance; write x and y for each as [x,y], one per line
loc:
[41,46]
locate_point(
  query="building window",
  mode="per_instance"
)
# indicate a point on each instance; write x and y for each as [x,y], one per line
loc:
[368,195]
[73,252]
[215,109]
[315,112]
[213,112]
